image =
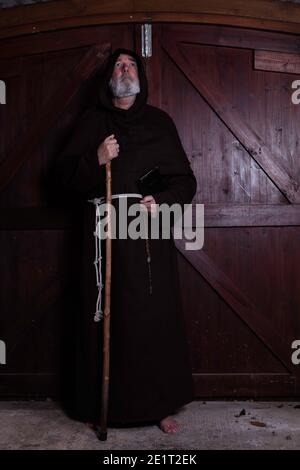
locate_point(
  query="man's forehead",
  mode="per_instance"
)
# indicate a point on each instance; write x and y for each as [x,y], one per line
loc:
[125,57]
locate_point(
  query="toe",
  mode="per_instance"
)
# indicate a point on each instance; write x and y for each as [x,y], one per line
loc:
[169,425]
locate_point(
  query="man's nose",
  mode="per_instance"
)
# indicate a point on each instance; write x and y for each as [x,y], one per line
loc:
[125,67]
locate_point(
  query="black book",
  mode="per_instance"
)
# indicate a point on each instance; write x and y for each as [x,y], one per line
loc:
[151,182]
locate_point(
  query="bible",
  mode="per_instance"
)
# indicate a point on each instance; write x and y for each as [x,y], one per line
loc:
[151,182]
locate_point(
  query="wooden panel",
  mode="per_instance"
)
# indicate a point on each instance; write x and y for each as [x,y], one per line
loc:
[42,76]
[225,354]
[215,215]
[90,63]
[251,215]
[271,161]
[220,342]
[260,14]
[257,101]
[277,62]
[244,289]
[262,327]
[212,149]
[40,250]
[240,291]
[38,307]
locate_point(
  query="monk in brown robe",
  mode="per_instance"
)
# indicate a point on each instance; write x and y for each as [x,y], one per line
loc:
[150,366]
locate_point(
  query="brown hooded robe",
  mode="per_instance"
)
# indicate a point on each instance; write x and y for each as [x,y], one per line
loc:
[150,368]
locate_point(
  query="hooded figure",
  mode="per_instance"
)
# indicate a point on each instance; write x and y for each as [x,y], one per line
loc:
[150,373]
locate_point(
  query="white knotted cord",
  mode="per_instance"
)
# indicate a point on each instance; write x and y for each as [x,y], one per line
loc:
[98,315]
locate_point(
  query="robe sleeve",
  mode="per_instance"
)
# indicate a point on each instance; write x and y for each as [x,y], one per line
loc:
[181,190]
[182,183]
[77,167]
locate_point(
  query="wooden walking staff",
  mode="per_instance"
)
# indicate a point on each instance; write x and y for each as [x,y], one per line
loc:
[102,430]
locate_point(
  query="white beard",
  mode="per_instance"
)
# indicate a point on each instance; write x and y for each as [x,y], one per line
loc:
[124,86]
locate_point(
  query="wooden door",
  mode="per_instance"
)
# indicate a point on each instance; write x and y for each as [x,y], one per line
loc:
[50,78]
[241,133]
[239,128]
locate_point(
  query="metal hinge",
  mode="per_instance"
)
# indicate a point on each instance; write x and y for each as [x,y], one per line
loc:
[146,31]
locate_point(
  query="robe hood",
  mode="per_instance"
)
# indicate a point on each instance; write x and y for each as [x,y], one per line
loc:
[105,95]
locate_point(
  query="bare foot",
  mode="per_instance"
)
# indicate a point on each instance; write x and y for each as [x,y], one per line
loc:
[169,425]
[90,425]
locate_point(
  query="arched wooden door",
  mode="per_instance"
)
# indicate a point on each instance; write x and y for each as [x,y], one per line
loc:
[239,128]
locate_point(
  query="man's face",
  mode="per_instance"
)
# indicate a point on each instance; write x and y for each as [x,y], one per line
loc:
[125,78]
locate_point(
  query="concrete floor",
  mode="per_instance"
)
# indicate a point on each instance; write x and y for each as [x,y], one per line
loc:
[206,425]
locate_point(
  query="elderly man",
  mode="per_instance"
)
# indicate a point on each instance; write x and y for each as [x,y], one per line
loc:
[150,367]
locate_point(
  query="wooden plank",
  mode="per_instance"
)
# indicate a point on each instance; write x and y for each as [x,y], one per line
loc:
[55,41]
[215,215]
[251,215]
[36,218]
[56,10]
[277,62]
[36,385]
[245,385]
[260,14]
[255,320]
[262,9]
[270,161]
[42,385]
[212,35]
[90,63]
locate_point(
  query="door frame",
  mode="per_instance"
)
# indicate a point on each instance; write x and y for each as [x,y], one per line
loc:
[57,15]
